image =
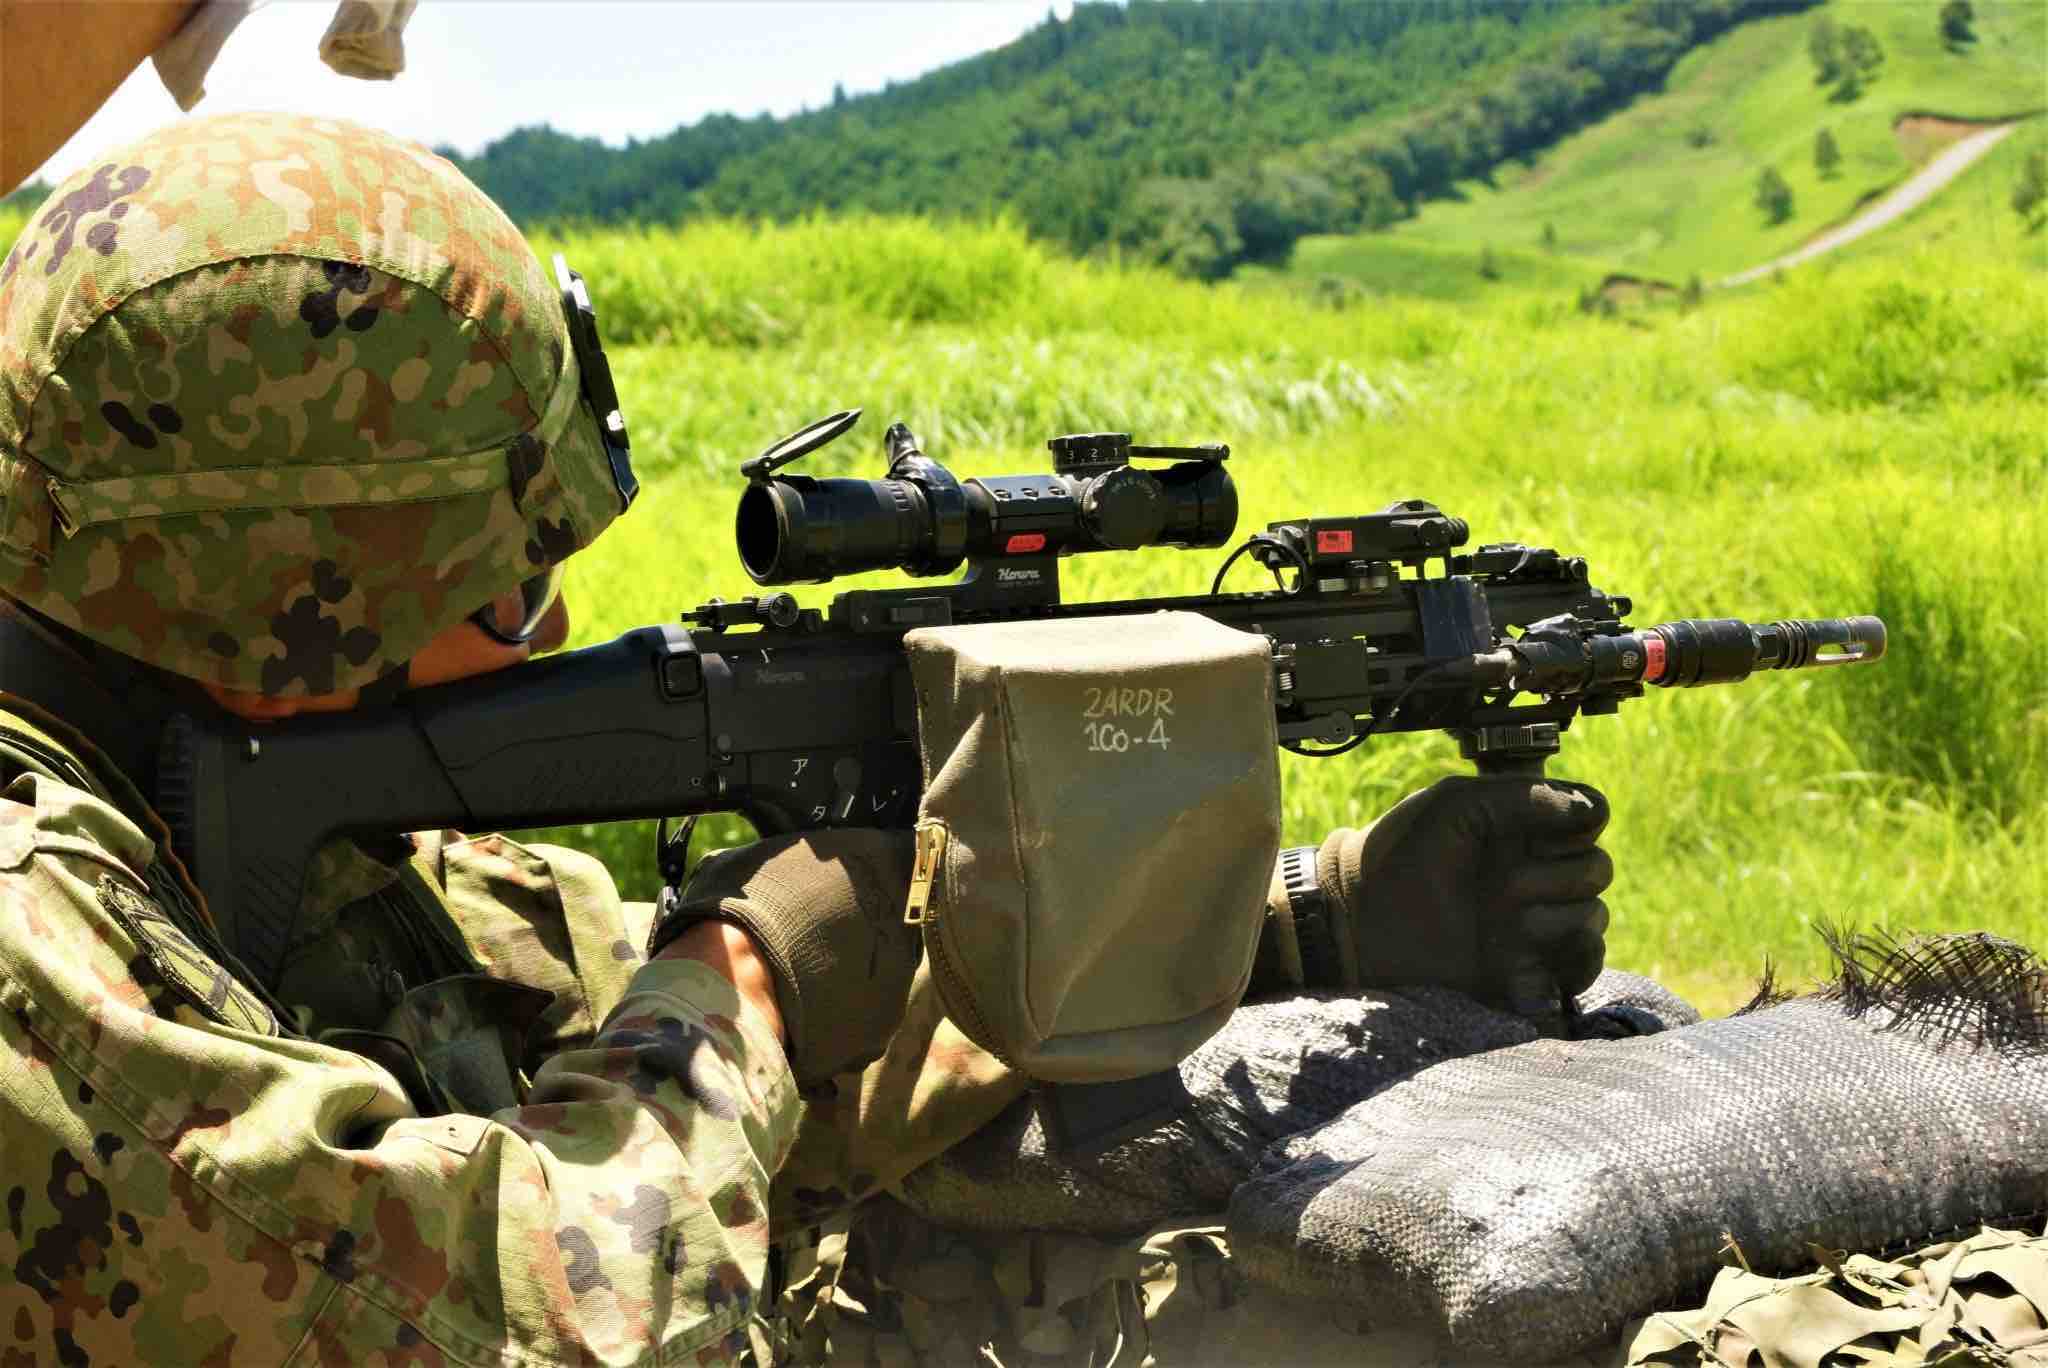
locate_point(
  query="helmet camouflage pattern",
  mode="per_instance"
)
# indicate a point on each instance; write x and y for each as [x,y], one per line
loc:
[280,399]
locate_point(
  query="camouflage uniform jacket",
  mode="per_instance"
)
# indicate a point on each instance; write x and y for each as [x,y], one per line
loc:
[191,1180]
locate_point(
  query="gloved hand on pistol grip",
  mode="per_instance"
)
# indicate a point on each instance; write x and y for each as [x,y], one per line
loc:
[825,908]
[1489,885]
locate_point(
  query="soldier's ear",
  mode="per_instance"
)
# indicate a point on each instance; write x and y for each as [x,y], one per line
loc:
[464,649]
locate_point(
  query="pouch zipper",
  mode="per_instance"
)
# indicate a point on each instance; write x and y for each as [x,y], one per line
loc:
[922,910]
[924,871]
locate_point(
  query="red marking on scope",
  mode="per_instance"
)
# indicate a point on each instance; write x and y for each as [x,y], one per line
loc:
[1333,542]
[1023,542]
[1653,657]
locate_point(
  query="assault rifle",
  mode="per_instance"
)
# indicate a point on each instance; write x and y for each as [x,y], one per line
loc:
[798,718]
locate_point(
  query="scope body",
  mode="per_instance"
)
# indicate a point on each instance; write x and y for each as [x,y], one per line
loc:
[792,529]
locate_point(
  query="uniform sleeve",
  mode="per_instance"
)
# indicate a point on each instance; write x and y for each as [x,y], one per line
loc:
[186,1185]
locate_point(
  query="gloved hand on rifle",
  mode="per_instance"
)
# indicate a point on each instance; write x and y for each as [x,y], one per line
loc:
[825,910]
[1488,885]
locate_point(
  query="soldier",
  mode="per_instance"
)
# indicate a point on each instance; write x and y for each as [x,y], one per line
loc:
[290,420]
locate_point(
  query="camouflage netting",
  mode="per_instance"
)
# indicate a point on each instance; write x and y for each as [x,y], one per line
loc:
[1980,1301]
[902,1291]
[1277,1068]
[1529,1201]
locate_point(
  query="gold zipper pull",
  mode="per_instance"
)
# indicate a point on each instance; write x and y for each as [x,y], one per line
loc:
[67,520]
[924,870]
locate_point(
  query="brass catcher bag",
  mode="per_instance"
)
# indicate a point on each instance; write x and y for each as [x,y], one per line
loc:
[1100,819]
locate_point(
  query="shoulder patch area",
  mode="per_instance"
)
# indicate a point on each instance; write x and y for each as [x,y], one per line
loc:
[169,965]
[17,833]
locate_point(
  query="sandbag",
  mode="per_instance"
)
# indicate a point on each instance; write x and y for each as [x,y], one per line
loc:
[1277,1068]
[1528,1201]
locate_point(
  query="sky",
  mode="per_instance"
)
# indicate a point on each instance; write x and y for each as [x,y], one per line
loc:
[613,69]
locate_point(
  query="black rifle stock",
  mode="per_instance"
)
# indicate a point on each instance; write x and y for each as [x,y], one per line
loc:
[796,718]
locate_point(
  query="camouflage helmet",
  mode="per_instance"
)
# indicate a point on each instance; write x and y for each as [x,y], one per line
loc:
[280,399]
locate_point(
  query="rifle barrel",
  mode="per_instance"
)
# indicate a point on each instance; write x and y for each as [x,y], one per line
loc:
[1697,651]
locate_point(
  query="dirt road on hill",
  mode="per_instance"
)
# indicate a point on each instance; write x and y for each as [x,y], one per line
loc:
[1907,197]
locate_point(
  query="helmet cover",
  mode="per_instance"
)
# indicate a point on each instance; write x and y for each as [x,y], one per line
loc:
[280,399]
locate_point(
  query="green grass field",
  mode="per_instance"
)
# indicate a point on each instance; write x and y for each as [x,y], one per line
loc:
[1868,437]
[1338,269]
[1634,194]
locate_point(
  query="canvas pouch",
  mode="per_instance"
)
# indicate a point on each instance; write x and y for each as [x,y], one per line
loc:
[1100,818]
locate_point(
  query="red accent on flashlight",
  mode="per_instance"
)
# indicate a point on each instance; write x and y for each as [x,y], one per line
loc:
[1653,657]
[1023,542]
[1333,542]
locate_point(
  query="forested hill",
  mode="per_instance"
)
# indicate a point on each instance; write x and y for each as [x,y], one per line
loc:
[1055,126]
[1190,133]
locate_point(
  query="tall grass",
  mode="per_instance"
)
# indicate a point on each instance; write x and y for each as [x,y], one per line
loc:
[1851,341]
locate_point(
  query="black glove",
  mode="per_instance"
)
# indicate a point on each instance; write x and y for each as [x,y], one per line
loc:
[1487,885]
[825,909]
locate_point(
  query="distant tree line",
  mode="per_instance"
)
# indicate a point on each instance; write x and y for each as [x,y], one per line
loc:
[1055,128]
[1196,135]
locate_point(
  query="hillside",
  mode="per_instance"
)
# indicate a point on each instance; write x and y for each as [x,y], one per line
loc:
[1190,134]
[1666,188]
[1053,128]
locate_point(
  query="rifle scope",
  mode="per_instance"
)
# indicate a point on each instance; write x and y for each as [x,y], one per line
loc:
[921,519]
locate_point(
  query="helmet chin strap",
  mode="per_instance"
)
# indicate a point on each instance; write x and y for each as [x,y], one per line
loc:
[384,690]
